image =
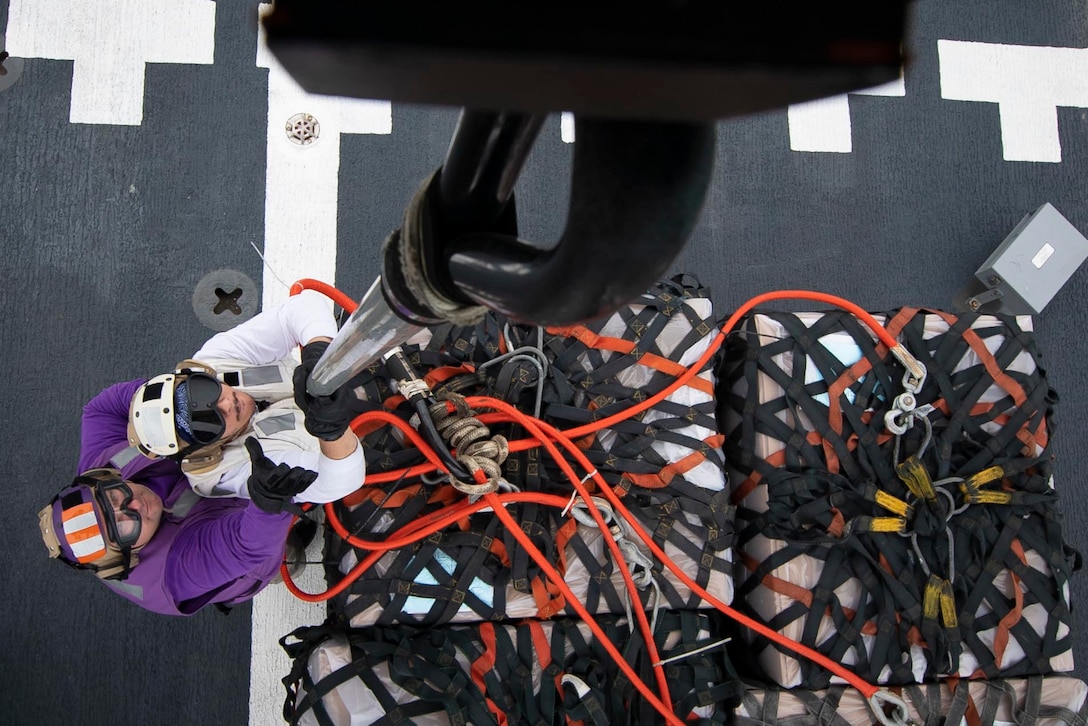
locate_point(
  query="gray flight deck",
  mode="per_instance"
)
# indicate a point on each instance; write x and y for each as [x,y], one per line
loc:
[105,230]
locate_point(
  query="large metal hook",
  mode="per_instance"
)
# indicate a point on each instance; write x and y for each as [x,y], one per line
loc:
[637,188]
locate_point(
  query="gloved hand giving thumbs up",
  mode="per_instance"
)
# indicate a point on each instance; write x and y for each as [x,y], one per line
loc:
[271,486]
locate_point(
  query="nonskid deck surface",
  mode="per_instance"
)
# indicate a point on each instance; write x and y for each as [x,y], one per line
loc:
[146,150]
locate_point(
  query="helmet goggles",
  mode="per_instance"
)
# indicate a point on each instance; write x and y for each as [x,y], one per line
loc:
[113,495]
[89,525]
[197,400]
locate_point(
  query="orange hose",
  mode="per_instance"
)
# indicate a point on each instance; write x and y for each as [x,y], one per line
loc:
[546,433]
[588,618]
[327,290]
[818,658]
[883,335]
[425,528]
[408,535]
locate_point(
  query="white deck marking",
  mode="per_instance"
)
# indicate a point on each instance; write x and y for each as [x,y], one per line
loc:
[301,192]
[302,182]
[824,125]
[110,42]
[1028,83]
[566,127]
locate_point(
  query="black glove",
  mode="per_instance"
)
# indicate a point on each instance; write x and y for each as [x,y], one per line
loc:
[327,417]
[271,486]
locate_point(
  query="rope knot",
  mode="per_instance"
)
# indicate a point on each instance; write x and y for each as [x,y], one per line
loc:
[472,442]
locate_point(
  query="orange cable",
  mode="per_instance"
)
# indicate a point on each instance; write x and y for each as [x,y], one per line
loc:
[408,535]
[425,529]
[327,290]
[856,681]
[883,335]
[610,541]
[585,615]
[564,438]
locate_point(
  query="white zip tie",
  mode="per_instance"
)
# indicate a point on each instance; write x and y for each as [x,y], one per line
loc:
[663,661]
[570,504]
[574,494]
[259,254]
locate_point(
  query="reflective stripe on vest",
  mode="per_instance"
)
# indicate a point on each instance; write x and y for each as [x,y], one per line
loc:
[122,458]
[256,376]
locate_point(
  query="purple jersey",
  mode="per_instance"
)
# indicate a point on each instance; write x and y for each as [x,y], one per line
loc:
[221,550]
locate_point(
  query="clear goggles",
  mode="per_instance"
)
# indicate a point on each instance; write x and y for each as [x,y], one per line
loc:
[114,497]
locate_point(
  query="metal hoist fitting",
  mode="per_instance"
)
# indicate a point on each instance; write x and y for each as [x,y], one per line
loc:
[905,408]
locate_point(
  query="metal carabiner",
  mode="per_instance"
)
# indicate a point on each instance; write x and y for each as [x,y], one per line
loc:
[898,422]
[533,356]
[502,485]
[905,402]
[915,376]
[580,512]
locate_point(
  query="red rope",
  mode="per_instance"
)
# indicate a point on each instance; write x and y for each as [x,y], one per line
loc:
[545,435]
[427,526]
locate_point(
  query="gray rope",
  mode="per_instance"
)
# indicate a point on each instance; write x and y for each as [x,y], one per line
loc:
[472,442]
[416,228]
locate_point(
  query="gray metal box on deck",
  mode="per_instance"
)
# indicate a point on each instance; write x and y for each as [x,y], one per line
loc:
[1025,272]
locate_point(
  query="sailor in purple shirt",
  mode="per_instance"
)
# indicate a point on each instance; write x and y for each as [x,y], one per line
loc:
[137,524]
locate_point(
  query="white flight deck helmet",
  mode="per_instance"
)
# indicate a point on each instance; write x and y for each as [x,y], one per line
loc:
[174,415]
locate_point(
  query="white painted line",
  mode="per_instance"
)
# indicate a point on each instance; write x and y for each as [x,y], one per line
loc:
[824,125]
[110,42]
[566,127]
[302,182]
[821,125]
[276,612]
[301,193]
[1028,83]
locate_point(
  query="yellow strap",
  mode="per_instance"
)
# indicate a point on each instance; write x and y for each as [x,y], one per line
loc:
[893,503]
[984,477]
[932,598]
[887,524]
[914,475]
[988,497]
[948,605]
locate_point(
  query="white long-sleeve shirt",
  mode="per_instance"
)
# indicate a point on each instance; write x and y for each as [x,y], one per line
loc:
[273,337]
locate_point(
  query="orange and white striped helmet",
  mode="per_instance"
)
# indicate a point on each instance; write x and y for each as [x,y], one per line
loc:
[73,529]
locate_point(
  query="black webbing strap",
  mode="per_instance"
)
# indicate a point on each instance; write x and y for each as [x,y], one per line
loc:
[834,493]
[402,574]
[468,672]
[304,694]
[998,702]
[461,562]
[580,386]
[705,670]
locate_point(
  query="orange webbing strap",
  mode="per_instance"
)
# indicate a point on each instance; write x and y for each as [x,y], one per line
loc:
[999,376]
[549,599]
[484,665]
[664,477]
[775,460]
[620,345]
[1029,438]
[1011,618]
